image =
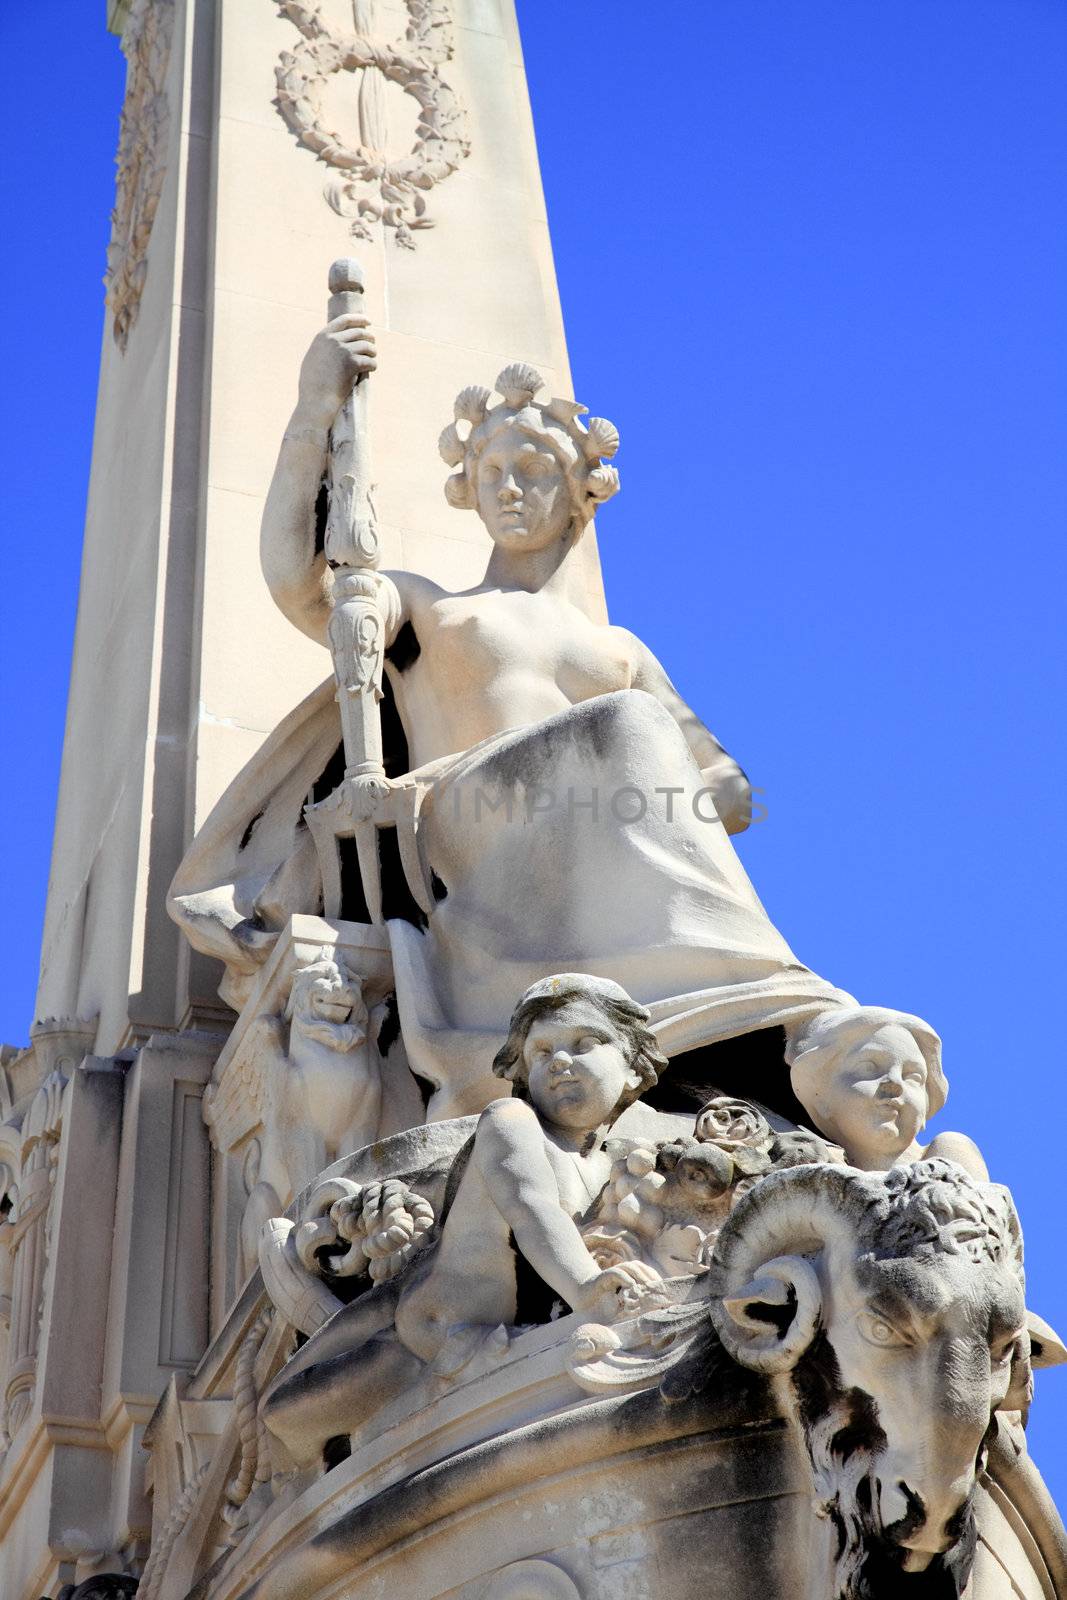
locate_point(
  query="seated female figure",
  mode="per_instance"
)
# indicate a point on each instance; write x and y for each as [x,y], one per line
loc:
[572,810]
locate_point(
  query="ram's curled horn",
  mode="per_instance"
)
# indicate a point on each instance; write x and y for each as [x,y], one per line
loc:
[603,438]
[759,1262]
[518,383]
[471,404]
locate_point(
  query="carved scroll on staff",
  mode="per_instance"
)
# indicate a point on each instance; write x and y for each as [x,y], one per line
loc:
[356,630]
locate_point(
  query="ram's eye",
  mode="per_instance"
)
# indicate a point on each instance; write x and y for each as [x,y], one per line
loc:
[1004,1350]
[880,1331]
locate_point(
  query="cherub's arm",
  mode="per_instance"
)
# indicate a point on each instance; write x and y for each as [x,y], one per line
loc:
[294,567]
[509,1151]
[730,788]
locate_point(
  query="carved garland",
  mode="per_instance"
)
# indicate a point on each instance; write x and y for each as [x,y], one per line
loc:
[141,159]
[441,142]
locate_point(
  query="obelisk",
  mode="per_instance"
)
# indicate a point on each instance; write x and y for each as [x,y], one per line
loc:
[261,140]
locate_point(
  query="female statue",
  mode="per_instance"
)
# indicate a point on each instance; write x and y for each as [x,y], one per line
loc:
[566,807]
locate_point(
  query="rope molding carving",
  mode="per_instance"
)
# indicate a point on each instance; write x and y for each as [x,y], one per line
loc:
[397,185]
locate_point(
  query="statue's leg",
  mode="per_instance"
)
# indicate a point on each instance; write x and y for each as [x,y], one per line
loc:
[305,1150]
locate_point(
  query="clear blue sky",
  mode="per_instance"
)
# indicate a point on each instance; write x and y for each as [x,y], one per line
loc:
[813,261]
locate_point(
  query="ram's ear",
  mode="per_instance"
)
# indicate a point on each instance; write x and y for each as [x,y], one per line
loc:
[1047,1349]
[767,1323]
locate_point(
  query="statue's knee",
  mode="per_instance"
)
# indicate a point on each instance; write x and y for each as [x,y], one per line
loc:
[629,719]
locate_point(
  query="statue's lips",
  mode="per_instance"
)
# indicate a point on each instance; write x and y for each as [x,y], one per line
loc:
[334,1011]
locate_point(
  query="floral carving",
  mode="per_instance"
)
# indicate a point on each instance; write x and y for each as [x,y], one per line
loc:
[371,186]
[141,159]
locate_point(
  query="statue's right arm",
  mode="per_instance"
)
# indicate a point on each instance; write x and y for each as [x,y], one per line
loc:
[296,572]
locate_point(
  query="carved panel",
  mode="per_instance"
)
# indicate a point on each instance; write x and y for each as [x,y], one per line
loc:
[141,159]
[368,183]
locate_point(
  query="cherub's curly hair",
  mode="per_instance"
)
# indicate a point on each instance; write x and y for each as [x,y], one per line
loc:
[626,1017]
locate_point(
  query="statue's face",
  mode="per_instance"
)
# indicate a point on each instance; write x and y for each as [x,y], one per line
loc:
[577,1067]
[523,494]
[876,1103]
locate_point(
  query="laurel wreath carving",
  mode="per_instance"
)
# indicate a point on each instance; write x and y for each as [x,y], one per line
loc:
[144,124]
[397,187]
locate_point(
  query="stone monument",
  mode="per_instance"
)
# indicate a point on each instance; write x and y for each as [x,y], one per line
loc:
[486,1202]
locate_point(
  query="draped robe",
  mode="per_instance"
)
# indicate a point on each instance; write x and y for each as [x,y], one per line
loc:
[586,842]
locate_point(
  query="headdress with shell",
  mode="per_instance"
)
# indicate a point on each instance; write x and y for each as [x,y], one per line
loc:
[580,448]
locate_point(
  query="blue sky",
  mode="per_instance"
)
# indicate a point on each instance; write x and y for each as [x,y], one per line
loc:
[813,262]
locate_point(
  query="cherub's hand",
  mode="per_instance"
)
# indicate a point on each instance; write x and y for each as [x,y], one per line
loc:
[342,353]
[622,1290]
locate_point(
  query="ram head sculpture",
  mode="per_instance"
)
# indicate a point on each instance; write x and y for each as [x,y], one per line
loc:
[888,1309]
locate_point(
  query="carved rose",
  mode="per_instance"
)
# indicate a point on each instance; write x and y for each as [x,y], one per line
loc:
[733,1125]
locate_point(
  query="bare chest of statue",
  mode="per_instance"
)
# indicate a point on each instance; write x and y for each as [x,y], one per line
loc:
[477,664]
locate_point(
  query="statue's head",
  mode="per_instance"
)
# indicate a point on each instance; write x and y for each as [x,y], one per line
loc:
[532,471]
[869,1078]
[580,1050]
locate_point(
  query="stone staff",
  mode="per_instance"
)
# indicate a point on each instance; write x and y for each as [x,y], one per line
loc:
[356,631]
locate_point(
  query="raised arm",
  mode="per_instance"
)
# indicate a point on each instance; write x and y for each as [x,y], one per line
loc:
[731,789]
[295,570]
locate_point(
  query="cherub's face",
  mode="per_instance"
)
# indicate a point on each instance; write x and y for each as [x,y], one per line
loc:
[577,1067]
[876,1102]
[523,495]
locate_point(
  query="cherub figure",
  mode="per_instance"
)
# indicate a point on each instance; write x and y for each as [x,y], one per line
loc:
[870,1078]
[578,1052]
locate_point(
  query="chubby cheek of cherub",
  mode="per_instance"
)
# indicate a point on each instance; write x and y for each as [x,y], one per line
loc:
[586,1091]
[871,1121]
